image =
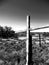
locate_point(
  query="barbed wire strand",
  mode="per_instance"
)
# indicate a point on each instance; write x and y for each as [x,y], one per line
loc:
[31,29]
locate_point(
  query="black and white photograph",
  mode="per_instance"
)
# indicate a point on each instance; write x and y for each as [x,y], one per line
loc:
[24,32]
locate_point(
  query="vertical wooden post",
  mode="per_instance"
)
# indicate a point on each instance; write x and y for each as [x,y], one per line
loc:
[29,43]
[30,51]
[28,34]
[40,39]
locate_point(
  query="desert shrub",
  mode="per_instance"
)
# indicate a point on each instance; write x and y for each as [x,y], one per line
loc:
[39,54]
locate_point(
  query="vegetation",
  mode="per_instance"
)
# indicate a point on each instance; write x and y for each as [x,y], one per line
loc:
[12,50]
[40,55]
[7,32]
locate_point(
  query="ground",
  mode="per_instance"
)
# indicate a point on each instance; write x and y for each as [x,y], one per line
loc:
[12,52]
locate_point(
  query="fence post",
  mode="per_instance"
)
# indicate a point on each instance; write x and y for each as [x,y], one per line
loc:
[40,39]
[30,51]
[28,34]
[28,44]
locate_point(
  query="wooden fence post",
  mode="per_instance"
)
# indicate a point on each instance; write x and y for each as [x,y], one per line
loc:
[28,44]
[28,34]
[40,39]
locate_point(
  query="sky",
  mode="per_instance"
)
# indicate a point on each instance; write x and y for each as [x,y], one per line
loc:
[14,13]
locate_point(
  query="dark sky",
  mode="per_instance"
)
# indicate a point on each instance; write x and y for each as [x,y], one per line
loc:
[14,12]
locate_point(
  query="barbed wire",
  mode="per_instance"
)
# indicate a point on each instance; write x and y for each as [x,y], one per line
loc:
[31,29]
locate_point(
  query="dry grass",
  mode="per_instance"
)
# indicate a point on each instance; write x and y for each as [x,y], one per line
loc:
[40,55]
[12,53]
